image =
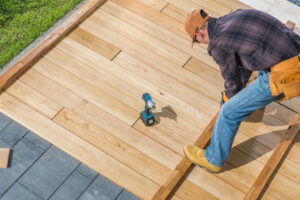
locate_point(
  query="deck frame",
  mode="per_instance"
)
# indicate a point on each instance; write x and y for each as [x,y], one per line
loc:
[165,190]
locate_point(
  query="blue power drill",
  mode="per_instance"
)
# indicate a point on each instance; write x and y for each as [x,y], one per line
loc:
[147,115]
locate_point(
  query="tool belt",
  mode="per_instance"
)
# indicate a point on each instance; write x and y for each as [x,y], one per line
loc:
[284,79]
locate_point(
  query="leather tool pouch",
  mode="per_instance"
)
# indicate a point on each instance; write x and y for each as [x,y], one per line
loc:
[285,79]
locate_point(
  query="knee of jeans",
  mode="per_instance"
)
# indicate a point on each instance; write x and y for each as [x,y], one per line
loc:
[227,111]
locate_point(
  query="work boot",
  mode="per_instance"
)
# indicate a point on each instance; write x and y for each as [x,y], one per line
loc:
[196,156]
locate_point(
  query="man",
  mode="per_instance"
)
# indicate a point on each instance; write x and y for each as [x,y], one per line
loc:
[242,42]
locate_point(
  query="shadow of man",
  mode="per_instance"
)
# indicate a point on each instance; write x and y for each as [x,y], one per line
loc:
[252,149]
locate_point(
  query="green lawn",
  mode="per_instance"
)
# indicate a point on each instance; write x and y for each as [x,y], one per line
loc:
[22,21]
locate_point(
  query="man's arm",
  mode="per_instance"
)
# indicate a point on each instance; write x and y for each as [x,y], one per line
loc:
[232,74]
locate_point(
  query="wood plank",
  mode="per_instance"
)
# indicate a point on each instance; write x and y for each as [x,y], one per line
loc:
[277,111]
[4,157]
[156,31]
[164,136]
[211,6]
[184,85]
[50,89]
[31,57]
[272,194]
[276,157]
[245,163]
[175,55]
[293,104]
[214,185]
[114,79]
[233,4]
[132,137]
[113,146]
[285,186]
[175,12]
[189,191]
[147,12]
[34,99]
[87,91]
[164,21]
[290,170]
[156,4]
[78,148]
[96,44]
[210,74]
[184,164]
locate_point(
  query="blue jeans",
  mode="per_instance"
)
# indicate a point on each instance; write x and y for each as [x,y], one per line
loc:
[256,95]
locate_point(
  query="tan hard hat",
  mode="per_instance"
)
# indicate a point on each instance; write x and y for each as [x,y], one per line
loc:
[194,21]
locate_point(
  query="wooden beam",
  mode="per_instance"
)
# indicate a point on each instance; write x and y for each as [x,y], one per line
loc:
[184,165]
[290,24]
[4,157]
[274,160]
[36,53]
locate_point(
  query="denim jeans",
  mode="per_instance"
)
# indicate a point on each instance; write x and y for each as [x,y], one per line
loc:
[256,95]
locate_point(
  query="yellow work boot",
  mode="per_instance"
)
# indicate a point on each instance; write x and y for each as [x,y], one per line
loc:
[196,156]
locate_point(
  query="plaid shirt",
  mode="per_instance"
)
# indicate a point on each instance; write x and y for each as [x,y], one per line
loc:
[248,40]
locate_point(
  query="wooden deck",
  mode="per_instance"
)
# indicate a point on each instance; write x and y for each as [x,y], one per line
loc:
[85,97]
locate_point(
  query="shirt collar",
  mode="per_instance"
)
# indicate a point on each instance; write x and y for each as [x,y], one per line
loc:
[211,31]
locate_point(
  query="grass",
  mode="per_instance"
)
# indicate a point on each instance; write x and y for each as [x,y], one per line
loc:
[22,21]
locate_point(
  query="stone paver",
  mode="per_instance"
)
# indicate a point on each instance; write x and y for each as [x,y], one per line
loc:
[72,188]
[49,172]
[24,154]
[101,189]
[18,192]
[4,121]
[87,172]
[37,140]
[13,133]
[125,195]
[40,171]
[297,2]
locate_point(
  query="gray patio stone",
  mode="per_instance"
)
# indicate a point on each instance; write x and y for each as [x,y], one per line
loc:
[37,140]
[72,188]
[125,195]
[87,172]
[18,192]
[101,189]
[4,121]
[49,172]
[23,155]
[13,133]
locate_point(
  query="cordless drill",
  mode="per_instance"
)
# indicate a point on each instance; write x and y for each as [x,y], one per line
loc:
[147,115]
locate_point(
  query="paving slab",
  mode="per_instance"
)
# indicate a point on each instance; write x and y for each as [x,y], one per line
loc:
[86,171]
[37,140]
[4,121]
[13,133]
[101,189]
[23,155]
[18,192]
[72,188]
[49,172]
[125,195]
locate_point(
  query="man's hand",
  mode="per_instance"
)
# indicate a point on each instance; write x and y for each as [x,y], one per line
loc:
[224,98]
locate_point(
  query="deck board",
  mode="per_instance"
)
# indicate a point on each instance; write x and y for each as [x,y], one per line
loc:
[29,96]
[84,96]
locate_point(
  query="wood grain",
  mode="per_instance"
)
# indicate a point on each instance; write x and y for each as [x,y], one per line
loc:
[36,100]
[4,157]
